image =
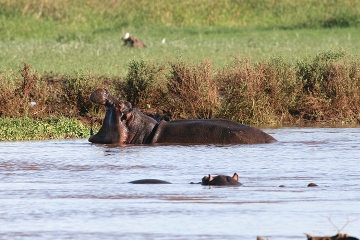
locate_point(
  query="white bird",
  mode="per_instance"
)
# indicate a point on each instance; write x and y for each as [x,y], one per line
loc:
[127,35]
[163,41]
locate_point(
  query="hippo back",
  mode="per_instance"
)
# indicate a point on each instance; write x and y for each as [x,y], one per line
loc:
[209,131]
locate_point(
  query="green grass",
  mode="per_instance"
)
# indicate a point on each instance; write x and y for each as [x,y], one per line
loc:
[49,128]
[105,55]
[67,37]
[66,19]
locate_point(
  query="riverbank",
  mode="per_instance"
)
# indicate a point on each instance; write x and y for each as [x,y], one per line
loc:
[319,89]
[294,63]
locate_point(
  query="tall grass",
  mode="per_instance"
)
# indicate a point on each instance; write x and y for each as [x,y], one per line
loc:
[145,80]
[320,88]
[192,91]
[31,96]
[331,82]
[258,93]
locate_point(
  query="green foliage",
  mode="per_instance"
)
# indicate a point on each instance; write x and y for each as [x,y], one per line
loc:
[331,80]
[192,90]
[312,71]
[143,81]
[14,129]
[76,94]
[257,93]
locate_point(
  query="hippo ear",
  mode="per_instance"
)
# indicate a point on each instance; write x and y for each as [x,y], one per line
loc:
[125,106]
[128,105]
[236,176]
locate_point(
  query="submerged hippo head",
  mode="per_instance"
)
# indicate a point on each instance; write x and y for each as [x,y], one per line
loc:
[221,180]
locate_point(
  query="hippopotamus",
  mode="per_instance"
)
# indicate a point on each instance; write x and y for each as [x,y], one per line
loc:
[149,181]
[124,124]
[221,180]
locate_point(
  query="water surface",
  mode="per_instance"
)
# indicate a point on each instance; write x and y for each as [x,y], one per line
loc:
[77,190]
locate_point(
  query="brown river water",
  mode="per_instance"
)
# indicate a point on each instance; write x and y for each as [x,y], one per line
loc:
[73,189]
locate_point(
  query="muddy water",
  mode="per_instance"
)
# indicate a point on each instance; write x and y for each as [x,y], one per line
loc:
[77,190]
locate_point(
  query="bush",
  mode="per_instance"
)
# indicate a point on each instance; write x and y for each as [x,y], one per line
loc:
[257,93]
[330,83]
[144,84]
[192,91]
[39,97]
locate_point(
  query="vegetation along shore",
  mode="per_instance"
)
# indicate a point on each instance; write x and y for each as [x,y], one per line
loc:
[269,63]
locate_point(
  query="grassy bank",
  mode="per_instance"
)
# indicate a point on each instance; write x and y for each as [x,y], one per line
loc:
[47,128]
[322,88]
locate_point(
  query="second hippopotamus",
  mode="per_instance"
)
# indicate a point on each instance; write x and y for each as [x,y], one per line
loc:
[221,180]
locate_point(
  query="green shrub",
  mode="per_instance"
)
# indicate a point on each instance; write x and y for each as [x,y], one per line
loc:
[144,83]
[259,93]
[192,90]
[330,82]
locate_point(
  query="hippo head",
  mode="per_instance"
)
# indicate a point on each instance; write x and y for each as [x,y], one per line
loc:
[122,123]
[221,180]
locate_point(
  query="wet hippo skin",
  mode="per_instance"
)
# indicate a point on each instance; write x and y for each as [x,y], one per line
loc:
[124,124]
[149,181]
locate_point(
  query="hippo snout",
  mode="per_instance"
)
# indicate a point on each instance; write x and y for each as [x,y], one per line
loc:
[103,97]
